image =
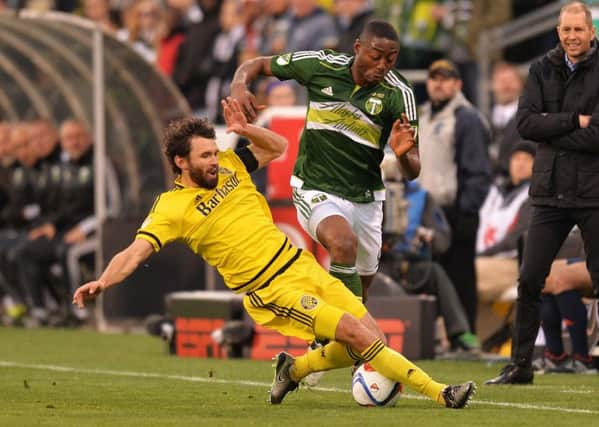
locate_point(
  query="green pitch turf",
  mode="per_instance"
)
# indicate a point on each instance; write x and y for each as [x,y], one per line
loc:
[83,378]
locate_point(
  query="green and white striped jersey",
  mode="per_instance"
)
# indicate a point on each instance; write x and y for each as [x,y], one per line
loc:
[347,126]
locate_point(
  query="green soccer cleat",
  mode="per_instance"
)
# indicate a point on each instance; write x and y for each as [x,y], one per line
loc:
[282,382]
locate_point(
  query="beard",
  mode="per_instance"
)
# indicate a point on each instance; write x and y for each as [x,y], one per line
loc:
[203,179]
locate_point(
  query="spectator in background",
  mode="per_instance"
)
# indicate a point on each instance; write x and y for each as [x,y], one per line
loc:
[170,43]
[18,217]
[22,208]
[423,38]
[350,17]
[188,11]
[456,172]
[465,20]
[503,220]
[407,259]
[568,282]
[253,25]
[310,28]
[144,26]
[6,161]
[225,53]
[276,94]
[62,225]
[194,65]
[99,12]
[506,84]
[44,138]
[281,94]
[276,27]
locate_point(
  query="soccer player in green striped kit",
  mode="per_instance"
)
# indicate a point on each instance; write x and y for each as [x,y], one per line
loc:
[356,104]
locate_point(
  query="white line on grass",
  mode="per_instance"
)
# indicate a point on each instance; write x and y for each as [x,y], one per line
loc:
[55,368]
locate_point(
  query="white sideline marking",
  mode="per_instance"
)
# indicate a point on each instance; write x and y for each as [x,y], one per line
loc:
[56,368]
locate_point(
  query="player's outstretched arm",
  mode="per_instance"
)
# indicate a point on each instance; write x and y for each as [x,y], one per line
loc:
[245,74]
[120,267]
[266,145]
[403,143]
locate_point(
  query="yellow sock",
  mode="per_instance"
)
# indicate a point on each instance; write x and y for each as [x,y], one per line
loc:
[331,356]
[394,366]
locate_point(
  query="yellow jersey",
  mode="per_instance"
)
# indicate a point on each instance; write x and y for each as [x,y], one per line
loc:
[230,227]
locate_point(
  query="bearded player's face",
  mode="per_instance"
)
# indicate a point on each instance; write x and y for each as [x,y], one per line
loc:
[202,162]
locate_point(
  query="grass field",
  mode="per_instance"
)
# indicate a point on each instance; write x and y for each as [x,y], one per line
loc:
[83,378]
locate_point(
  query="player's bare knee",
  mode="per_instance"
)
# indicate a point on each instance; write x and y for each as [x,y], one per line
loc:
[343,248]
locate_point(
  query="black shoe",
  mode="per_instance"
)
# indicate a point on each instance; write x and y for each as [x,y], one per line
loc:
[282,382]
[513,374]
[458,396]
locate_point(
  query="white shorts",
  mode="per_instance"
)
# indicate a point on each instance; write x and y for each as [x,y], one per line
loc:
[365,219]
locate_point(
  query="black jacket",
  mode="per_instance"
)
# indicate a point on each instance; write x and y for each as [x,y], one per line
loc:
[566,168]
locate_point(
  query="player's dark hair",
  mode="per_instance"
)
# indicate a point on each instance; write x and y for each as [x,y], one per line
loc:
[379,28]
[178,135]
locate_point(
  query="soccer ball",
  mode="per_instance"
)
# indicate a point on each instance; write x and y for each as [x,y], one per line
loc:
[369,388]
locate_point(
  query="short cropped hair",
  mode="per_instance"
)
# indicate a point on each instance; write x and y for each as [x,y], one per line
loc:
[178,135]
[379,28]
[577,7]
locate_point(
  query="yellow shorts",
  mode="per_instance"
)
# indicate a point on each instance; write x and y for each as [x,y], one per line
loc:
[304,302]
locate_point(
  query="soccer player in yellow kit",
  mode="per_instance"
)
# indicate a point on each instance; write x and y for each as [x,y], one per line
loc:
[216,210]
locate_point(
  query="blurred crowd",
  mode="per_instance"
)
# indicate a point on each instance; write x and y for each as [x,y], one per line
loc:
[47,219]
[199,43]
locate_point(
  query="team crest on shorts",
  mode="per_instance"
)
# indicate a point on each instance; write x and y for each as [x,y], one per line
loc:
[308,302]
[318,198]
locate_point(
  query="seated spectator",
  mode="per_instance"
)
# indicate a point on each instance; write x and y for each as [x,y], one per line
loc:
[407,259]
[562,305]
[504,218]
[62,224]
[17,218]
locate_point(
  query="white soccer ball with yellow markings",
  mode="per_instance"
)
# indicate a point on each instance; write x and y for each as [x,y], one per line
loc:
[369,388]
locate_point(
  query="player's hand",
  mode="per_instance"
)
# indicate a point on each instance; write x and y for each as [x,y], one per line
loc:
[89,291]
[246,100]
[234,117]
[402,136]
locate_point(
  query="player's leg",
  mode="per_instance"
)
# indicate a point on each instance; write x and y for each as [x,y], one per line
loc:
[368,220]
[327,218]
[356,335]
[354,340]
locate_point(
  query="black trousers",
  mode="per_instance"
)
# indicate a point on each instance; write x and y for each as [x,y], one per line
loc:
[549,227]
[34,264]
